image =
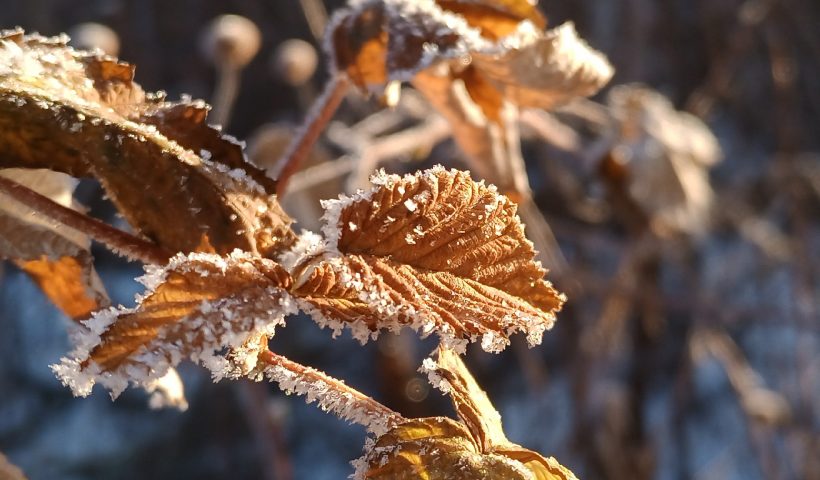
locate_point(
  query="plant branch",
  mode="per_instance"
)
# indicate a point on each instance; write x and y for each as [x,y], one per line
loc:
[317,118]
[316,16]
[227,88]
[333,395]
[117,241]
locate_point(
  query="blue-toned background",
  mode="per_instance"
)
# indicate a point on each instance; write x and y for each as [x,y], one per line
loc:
[632,401]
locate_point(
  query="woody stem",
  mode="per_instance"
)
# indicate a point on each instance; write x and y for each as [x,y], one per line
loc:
[119,242]
[319,115]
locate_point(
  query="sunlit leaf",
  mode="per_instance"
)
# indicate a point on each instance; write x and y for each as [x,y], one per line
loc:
[440,448]
[435,448]
[82,114]
[199,306]
[436,251]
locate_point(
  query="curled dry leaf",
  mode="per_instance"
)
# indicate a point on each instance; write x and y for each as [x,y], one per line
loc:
[489,45]
[434,448]
[667,154]
[477,62]
[83,115]
[56,257]
[442,448]
[435,251]
[199,306]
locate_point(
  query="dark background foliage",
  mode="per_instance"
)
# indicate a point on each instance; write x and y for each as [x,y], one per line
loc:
[636,394]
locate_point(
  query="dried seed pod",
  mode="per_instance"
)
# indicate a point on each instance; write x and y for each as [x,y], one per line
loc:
[231,41]
[294,62]
[90,36]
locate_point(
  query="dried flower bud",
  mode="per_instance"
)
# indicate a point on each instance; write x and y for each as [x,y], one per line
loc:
[90,36]
[231,41]
[294,62]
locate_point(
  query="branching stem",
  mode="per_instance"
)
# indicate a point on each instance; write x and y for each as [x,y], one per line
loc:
[119,242]
[317,118]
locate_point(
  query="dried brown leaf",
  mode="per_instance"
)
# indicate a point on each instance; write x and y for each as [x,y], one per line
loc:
[502,40]
[441,448]
[436,251]
[82,114]
[471,403]
[666,154]
[360,46]
[449,374]
[70,283]
[435,448]
[545,69]
[496,18]
[198,306]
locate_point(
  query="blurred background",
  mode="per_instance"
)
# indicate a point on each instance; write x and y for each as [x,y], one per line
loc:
[688,244]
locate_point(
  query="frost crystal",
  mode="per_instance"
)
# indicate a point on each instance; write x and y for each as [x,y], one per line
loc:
[307,246]
[430,368]
[317,387]
[167,391]
[236,323]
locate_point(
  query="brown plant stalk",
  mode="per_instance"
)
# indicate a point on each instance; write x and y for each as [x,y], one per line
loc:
[315,122]
[364,403]
[119,242]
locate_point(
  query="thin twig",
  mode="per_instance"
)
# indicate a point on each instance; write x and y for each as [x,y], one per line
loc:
[332,394]
[117,241]
[317,118]
[224,98]
[316,16]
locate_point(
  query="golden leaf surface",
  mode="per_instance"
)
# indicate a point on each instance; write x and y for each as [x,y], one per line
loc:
[70,283]
[197,306]
[434,250]
[496,18]
[435,448]
[441,448]
[82,114]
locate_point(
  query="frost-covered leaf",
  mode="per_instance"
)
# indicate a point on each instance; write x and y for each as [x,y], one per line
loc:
[667,154]
[497,41]
[435,251]
[55,256]
[546,69]
[199,306]
[441,448]
[82,114]
[449,374]
[496,18]
[480,101]
[435,448]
